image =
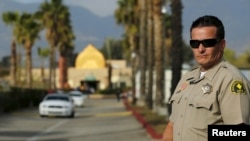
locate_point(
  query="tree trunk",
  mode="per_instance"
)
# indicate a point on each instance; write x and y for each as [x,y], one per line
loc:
[42,72]
[13,63]
[28,67]
[158,41]
[143,50]
[110,72]
[63,70]
[52,69]
[134,66]
[150,56]
[177,44]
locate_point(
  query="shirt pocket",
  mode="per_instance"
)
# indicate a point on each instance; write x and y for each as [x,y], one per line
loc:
[200,112]
[175,100]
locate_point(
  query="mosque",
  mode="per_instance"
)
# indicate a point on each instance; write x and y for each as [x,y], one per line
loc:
[91,71]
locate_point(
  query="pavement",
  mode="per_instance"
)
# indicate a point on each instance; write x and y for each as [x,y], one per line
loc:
[106,119]
[119,108]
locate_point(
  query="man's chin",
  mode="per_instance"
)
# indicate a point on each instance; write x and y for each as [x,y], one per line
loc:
[202,62]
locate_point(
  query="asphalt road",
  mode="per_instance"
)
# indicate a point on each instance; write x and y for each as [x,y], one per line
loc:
[99,120]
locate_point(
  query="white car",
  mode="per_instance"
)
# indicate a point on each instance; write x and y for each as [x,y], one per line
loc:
[78,98]
[57,104]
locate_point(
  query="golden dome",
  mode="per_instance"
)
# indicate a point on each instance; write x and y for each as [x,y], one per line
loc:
[90,58]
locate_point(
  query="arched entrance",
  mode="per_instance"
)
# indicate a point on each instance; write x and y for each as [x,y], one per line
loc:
[89,84]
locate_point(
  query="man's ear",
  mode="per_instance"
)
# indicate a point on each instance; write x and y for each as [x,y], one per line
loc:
[223,44]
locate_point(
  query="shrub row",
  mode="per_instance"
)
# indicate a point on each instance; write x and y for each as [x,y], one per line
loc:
[19,98]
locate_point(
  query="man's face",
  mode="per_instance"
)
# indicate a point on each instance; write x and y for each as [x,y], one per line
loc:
[208,56]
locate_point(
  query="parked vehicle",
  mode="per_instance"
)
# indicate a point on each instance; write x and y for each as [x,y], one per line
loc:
[57,104]
[78,97]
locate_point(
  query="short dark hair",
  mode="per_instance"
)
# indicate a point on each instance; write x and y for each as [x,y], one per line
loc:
[209,20]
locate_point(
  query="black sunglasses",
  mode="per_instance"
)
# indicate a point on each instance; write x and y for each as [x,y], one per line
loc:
[206,43]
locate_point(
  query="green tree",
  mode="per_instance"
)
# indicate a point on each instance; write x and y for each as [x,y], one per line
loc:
[27,35]
[127,15]
[12,19]
[243,60]
[43,53]
[65,45]
[56,20]
[230,55]
[113,49]
[248,56]
[240,60]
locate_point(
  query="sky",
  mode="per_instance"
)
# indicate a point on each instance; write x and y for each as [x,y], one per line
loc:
[191,10]
[101,8]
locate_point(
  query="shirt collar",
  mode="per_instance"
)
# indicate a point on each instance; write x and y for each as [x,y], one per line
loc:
[210,74]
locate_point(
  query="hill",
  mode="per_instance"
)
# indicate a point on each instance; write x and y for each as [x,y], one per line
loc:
[91,28]
[88,27]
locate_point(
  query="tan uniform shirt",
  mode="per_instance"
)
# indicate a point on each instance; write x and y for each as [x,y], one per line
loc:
[220,97]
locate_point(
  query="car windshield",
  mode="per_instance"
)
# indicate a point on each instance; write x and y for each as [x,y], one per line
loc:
[57,98]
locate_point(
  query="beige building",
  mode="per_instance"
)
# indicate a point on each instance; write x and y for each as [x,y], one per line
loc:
[90,66]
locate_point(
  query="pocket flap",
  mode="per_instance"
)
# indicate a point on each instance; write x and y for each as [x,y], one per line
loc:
[201,103]
[176,98]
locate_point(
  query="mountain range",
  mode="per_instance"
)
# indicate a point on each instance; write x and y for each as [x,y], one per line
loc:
[91,28]
[88,27]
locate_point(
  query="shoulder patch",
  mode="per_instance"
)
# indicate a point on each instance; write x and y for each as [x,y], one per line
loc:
[182,86]
[237,87]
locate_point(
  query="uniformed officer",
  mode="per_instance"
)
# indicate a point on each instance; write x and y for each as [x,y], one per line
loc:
[213,92]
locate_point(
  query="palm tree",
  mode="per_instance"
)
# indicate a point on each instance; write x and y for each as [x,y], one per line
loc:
[127,15]
[150,56]
[177,44]
[64,51]
[159,45]
[55,18]
[12,19]
[27,35]
[65,45]
[43,53]
[142,48]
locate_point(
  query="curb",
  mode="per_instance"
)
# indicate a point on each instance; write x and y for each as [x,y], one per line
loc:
[150,130]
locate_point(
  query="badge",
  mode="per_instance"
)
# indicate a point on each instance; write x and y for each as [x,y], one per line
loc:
[237,87]
[206,88]
[182,87]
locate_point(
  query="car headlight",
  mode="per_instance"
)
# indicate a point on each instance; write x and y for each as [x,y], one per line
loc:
[43,105]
